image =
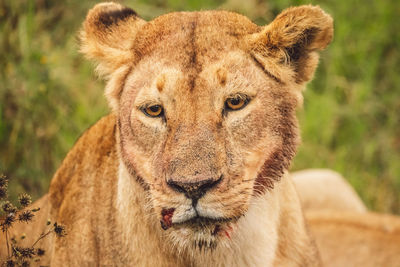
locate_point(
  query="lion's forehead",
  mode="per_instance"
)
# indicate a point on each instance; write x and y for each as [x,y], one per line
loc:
[233,73]
[192,38]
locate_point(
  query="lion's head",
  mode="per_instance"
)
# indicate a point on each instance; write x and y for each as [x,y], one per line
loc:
[206,106]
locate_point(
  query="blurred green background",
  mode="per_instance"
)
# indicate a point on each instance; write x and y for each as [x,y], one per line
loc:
[350,121]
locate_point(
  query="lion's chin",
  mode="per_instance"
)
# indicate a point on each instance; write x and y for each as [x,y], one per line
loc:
[202,234]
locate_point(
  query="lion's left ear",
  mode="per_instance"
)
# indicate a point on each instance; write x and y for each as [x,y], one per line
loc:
[108,34]
[287,48]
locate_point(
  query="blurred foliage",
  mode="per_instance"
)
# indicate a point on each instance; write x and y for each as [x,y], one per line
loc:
[350,121]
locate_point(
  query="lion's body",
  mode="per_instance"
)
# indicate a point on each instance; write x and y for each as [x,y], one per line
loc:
[356,239]
[321,189]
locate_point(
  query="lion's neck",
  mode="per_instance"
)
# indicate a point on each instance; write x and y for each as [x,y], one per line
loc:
[272,233]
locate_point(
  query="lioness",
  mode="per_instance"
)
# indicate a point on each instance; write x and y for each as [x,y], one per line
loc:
[190,168]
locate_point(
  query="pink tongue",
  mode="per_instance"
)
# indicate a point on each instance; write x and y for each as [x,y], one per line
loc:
[166,221]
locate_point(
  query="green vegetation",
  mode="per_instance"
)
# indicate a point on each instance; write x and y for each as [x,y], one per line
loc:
[350,122]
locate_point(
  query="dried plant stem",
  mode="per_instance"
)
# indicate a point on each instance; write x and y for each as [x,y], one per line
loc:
[17,254]
[8,246]
[43,235]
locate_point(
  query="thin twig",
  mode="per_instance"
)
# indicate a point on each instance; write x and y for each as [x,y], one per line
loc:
[41,237]
[8,246]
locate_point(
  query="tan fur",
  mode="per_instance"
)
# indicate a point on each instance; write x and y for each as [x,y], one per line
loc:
[126,173]
[161,83]
[321,189]
[293,37]
[355,239]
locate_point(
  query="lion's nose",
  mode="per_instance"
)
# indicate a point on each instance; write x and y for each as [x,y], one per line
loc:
[194,190]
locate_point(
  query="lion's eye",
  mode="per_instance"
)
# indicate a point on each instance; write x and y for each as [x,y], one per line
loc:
[235,103]
[153,111]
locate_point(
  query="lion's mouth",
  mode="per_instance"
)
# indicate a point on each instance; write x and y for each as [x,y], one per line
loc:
[214,226]
[195,222]
[220,227]
[200,221]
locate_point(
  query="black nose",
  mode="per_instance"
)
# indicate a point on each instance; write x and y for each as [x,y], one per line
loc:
[194,190]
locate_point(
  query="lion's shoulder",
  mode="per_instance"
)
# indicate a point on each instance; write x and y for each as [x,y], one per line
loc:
[87,157]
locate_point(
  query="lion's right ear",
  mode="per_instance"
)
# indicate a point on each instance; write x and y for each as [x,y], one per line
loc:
[107,35]
[288,47]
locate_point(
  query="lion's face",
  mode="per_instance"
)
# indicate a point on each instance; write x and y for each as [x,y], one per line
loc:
[206,113]
[198,120]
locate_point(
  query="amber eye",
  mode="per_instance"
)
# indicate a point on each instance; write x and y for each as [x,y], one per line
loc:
[236,102]
[153,111]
